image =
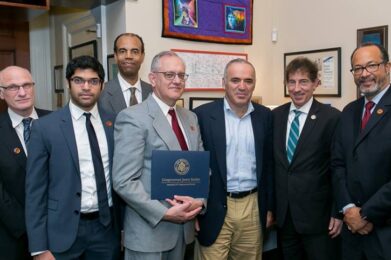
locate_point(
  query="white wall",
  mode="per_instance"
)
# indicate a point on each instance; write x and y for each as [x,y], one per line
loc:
[302,25]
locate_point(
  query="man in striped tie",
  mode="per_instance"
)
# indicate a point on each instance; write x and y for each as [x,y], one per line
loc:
[303,131]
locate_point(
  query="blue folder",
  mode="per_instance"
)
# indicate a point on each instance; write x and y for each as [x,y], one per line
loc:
[179,173]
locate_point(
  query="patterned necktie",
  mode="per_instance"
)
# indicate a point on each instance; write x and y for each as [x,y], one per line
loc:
[177,130]
[367,114]
[27,129]
[293,136]
[101,189]
[133,99]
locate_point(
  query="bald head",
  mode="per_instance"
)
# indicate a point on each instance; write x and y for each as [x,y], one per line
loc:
[17,90]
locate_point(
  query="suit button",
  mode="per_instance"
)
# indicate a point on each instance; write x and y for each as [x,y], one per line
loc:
[78,194]
[76,212]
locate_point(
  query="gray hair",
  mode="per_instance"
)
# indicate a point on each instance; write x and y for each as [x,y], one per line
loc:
[238,60]
[155,65]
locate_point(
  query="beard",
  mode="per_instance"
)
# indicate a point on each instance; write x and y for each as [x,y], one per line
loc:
[370,92]
[376,87]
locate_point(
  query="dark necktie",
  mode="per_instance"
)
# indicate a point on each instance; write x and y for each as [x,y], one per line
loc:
[293,137]
[367,114]
[103,202]
[133,99]
[177,130]
[27,129]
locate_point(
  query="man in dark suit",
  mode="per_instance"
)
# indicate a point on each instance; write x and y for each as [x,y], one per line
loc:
[69,195]
[17,90]
[126,88]
[302,138]
[362,159]
[238,135]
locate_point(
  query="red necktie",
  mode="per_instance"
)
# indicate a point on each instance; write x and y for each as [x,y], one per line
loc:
[367,114]
[177,130]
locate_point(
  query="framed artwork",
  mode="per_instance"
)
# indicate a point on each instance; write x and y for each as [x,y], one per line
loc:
[228,21]
[329,66]
[206,68]
[112,67]
[87,48]
[58,74]
[180,102]
[198,101]
[378,35]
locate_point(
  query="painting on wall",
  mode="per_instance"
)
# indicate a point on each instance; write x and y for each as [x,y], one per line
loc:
[378,35]
[87,48]
[329,66]
[228,21]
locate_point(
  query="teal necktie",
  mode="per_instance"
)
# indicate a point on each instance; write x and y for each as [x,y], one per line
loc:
[293,136]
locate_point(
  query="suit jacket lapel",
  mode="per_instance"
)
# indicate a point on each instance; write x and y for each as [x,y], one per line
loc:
[69,135]
[310,122]
[12,142]
[219,139]
[378,113]
[108,125]
[161,125]
[258,132]
[282,124]
[118,102]
[189,129]
[144,90]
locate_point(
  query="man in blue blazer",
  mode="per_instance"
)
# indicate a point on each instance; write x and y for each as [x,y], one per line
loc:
[17,89]
[238,135]
[69,196]
[126,88]
[362,159]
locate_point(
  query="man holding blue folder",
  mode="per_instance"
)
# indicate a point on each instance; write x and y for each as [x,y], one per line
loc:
[155,229]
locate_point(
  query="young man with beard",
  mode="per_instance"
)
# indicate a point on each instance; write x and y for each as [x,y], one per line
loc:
[126,89]
[69,197]
[361,161]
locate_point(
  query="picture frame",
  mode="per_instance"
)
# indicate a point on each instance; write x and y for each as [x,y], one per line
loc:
[58,78]
[87,48]
[207,21]
[112,67]
[329,63]
[378,35]
[195,102]
[180,102]
[206,68]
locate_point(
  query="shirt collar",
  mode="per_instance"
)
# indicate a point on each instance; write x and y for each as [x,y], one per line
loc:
[126,85]
[77,112]
[305,109]
[16,119]
[163,106]
[376,99]
[227,107]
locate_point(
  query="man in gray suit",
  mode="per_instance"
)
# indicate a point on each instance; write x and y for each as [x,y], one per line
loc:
[155,229]
[126,88]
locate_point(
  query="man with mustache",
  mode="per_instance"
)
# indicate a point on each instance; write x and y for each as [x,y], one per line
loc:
[361,159]
[71,208]
[126,89]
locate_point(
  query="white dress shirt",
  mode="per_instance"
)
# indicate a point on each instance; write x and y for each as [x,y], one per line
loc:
[89,195]
[305,110]
[17,124]
[240,153]
[126,86]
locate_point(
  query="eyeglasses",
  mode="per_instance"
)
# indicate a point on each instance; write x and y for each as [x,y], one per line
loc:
[91,82]
[170,75]
[370,68]
[15,88]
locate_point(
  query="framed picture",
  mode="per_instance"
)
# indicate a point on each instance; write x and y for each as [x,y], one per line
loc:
[329,66]
[378,35]
[180,102]
[112,67]
[228,21]
[206,68]
[87,48]
[58,74]
[198,101]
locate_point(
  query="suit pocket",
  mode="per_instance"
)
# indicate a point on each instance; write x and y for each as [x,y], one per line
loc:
[52,204]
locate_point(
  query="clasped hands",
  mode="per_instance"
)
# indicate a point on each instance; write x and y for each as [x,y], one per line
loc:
[355,223]
[184,208]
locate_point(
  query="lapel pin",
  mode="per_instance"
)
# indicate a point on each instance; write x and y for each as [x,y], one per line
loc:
[313,117]
[192,128]
[16,150]
[109,123]
[379,111]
